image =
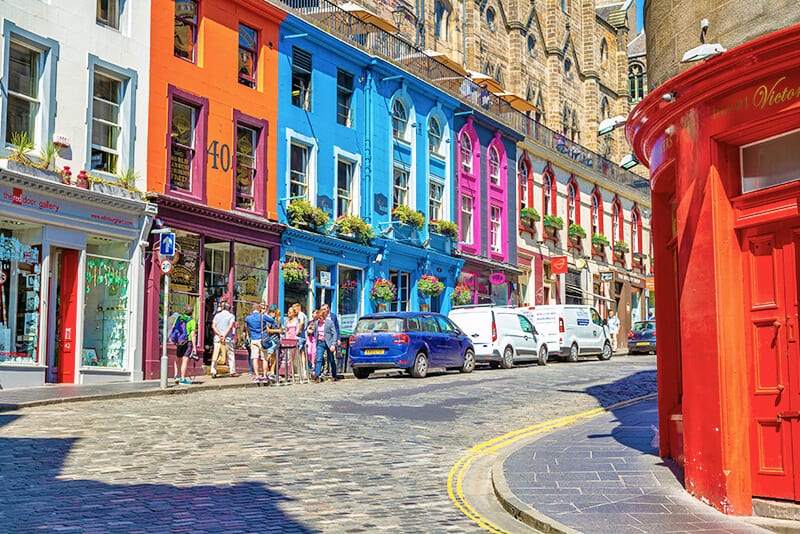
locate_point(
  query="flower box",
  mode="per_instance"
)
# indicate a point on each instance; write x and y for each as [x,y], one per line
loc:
[441,243]
[406,232]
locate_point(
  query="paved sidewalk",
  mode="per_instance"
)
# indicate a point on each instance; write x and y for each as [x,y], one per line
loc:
[604,476]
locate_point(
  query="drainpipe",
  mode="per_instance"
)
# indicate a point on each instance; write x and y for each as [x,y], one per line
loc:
[366,175]
[464,32]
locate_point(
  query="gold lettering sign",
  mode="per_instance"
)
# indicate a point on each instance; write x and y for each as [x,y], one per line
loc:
[774,94]
[180,170]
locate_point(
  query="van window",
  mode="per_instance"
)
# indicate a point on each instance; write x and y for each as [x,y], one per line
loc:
[428,324]
[526,325]
[596,317]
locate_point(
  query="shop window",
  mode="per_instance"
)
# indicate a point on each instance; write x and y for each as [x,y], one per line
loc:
[399,120]
[108,13]
[402,281]
[301,78]
[467,208]
[187,139]
[771,162]
[184,279]
[466,153]
[494,166]
[298,292]
[20,287]
[28,82]
[298,171]
[248,55]
[436,197]
[185,30]
[250,273]
[400,188]
[344,188]
[344,97]
[495,227]
[348,298]
[106,324]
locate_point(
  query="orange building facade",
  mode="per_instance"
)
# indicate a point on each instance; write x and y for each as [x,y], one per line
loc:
[721,141]
[211,158]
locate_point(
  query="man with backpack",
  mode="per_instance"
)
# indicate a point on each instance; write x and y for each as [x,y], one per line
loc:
[184,335]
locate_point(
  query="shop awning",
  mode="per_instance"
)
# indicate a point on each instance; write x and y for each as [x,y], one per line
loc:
[484,80]
[517,102]
[368,16]
[445,60]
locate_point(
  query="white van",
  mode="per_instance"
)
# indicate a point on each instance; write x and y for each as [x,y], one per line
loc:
[501,336]
[579,329]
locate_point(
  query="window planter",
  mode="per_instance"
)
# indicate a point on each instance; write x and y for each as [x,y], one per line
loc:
[406,232]
[441,243]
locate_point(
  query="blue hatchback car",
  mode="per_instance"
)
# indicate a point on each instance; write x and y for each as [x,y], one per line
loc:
[414,341]
[642,337]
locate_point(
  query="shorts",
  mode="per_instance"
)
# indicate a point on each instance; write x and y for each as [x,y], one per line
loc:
[182,349]
[256,351]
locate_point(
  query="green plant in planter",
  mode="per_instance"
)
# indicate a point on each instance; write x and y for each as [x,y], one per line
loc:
[599,240]
[621,246]
[383,291]
[448,228]
[529,214]
[461,295]
[127,178]
[353,224]
[294,272]
[430,286]
[406,215]
[576,230]
[300,211]
[21,148]
[47,156]
[553,221]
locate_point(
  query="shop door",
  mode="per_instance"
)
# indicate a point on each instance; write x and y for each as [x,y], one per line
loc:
[67,315]
[771,332]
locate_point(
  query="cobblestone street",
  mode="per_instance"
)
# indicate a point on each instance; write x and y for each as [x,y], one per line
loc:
[351,456]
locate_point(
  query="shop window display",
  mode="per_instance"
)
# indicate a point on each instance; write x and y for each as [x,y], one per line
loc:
[20,284]
[297,292]
[349,298]
[250,283]
[106,313]
[184,289]
[216,271]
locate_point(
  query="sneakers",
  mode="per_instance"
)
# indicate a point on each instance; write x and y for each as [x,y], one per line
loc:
[256,379]
[177,379]
[214,374]
[185,381]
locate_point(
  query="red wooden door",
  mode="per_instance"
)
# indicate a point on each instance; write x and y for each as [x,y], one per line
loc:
[771,288]
[68,314]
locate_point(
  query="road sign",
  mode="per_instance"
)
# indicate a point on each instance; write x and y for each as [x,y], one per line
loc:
[606,276]
[167,247]
[166,266]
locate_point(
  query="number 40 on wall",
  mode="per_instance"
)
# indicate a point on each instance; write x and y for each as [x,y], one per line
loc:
[220,156]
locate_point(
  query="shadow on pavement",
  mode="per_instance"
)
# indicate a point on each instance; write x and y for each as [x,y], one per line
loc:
[35,498]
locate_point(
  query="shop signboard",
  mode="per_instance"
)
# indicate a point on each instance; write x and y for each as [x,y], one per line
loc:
[606,276]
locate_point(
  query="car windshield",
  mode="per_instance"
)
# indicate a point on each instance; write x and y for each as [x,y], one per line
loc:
[644,325]
[379,324]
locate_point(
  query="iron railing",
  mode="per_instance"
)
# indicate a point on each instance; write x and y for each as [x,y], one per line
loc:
[378,42]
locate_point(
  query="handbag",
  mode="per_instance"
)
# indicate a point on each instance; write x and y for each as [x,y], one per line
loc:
[266,342]
[222,355]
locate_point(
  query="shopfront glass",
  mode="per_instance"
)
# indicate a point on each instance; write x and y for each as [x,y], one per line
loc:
[250,283]
[297,291]
[106,314]
[20,286]
[349,298]
[184,283]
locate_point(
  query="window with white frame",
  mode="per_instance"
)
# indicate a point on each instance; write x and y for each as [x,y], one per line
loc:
[246,165]
[595,215]
[23,104]
[402,281]
[635,232]
[399,120]
[571,207]
[108,13]
[399,187]
[467,208]
[298,171]
[615,227]
[106,123]
[547,191]
[436,194]
[441,14]
[434,136]
[466,153]
[344,188]
[495,225]
[301,78]
[344,97]
[494,166]
[522,178]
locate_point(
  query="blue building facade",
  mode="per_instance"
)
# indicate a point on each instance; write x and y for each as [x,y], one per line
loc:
[357,137]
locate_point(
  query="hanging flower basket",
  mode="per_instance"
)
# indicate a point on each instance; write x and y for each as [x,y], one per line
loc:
[294,272]
[430,286]
[383,291]
[461,295]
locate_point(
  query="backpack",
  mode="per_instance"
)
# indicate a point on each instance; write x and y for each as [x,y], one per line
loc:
[180,334]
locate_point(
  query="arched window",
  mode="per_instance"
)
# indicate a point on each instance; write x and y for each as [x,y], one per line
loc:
[532,46]
[494,166]
[573,213]
[539,114]
[604,108]
[399,119]
[466,153]
[568,68]
[617,231]
[636,230]
[522,178]
[637,81]
[547,192]
[491,19]
[597,213]
[434,135]
[603,51]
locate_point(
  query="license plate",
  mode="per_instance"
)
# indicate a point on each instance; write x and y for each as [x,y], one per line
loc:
[374,351]
[642,343]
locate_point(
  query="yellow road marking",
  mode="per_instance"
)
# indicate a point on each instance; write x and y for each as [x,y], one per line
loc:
[455,479]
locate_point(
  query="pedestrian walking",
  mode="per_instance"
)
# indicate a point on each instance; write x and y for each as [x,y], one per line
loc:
[223,326]
[327,341]
[272,330]
[613,328]
[311,340]
[184,335]
[302,323]
[255,328]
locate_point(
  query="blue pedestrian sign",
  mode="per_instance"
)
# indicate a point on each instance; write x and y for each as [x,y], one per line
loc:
[167,247]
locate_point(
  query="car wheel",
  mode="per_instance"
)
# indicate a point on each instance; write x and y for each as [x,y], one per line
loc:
[573,353]
[420,368]
[469,362]
[508,358]
[543,355]
[361,372]
[606,354]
